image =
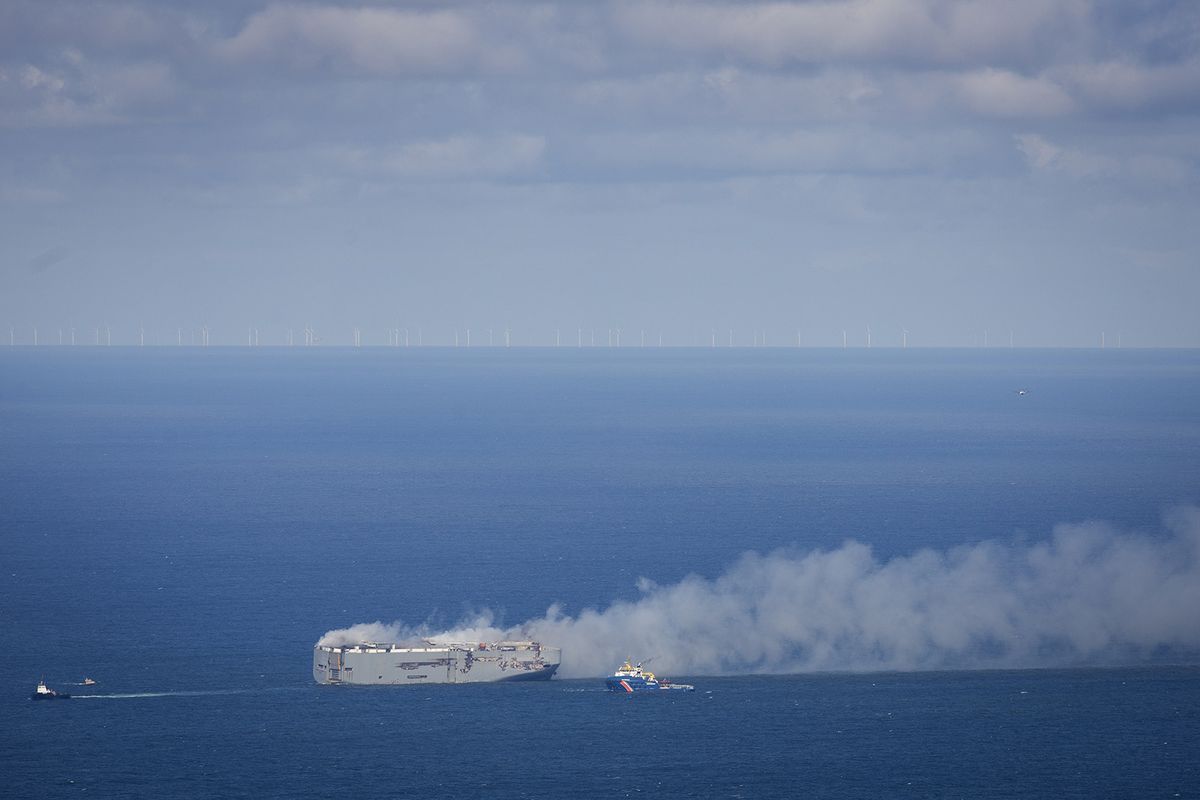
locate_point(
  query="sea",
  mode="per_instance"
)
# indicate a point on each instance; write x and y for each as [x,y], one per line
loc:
[183,524]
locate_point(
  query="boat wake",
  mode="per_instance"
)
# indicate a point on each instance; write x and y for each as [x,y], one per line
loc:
[194,693]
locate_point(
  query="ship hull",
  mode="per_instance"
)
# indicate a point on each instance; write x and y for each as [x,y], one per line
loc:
[392,665]
[626,684]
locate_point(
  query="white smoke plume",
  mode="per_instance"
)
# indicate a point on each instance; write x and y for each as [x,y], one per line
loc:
[1091,594]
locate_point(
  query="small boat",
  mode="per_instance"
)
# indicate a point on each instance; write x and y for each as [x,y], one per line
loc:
[43,692]
[630,678]
[88,682]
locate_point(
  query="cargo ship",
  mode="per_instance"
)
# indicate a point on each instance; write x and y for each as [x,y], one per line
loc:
[630,678]
[372,663]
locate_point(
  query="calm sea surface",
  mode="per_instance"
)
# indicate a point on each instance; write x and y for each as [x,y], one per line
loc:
[183,524]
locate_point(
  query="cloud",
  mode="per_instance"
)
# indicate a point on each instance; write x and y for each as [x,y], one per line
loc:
[1147,168]
[749,151]
[76,91]
[929,32]
[1090,594]
[29,27]
[726,92]
[1126,86]
[454,157]
[371,40]
[1000,93]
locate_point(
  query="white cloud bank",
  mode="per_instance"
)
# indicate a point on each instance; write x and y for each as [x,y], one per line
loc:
[1091,594]
[378,41]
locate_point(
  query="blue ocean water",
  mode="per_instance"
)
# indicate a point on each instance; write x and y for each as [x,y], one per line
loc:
[185,523]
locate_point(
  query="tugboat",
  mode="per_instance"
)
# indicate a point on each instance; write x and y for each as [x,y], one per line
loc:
[630,678]
[42,692]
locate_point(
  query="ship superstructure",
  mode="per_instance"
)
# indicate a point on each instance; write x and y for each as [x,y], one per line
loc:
[372,663]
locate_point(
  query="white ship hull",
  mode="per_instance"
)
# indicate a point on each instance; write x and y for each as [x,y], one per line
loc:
[394,665]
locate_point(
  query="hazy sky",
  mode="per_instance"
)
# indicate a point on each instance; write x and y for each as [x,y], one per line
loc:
[945,167]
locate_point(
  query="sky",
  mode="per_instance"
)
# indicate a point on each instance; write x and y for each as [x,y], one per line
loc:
[1022,171]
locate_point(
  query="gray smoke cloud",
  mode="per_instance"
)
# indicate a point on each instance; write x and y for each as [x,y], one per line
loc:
[1091,594]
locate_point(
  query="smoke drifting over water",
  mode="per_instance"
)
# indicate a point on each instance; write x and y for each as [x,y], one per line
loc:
[1091,594]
